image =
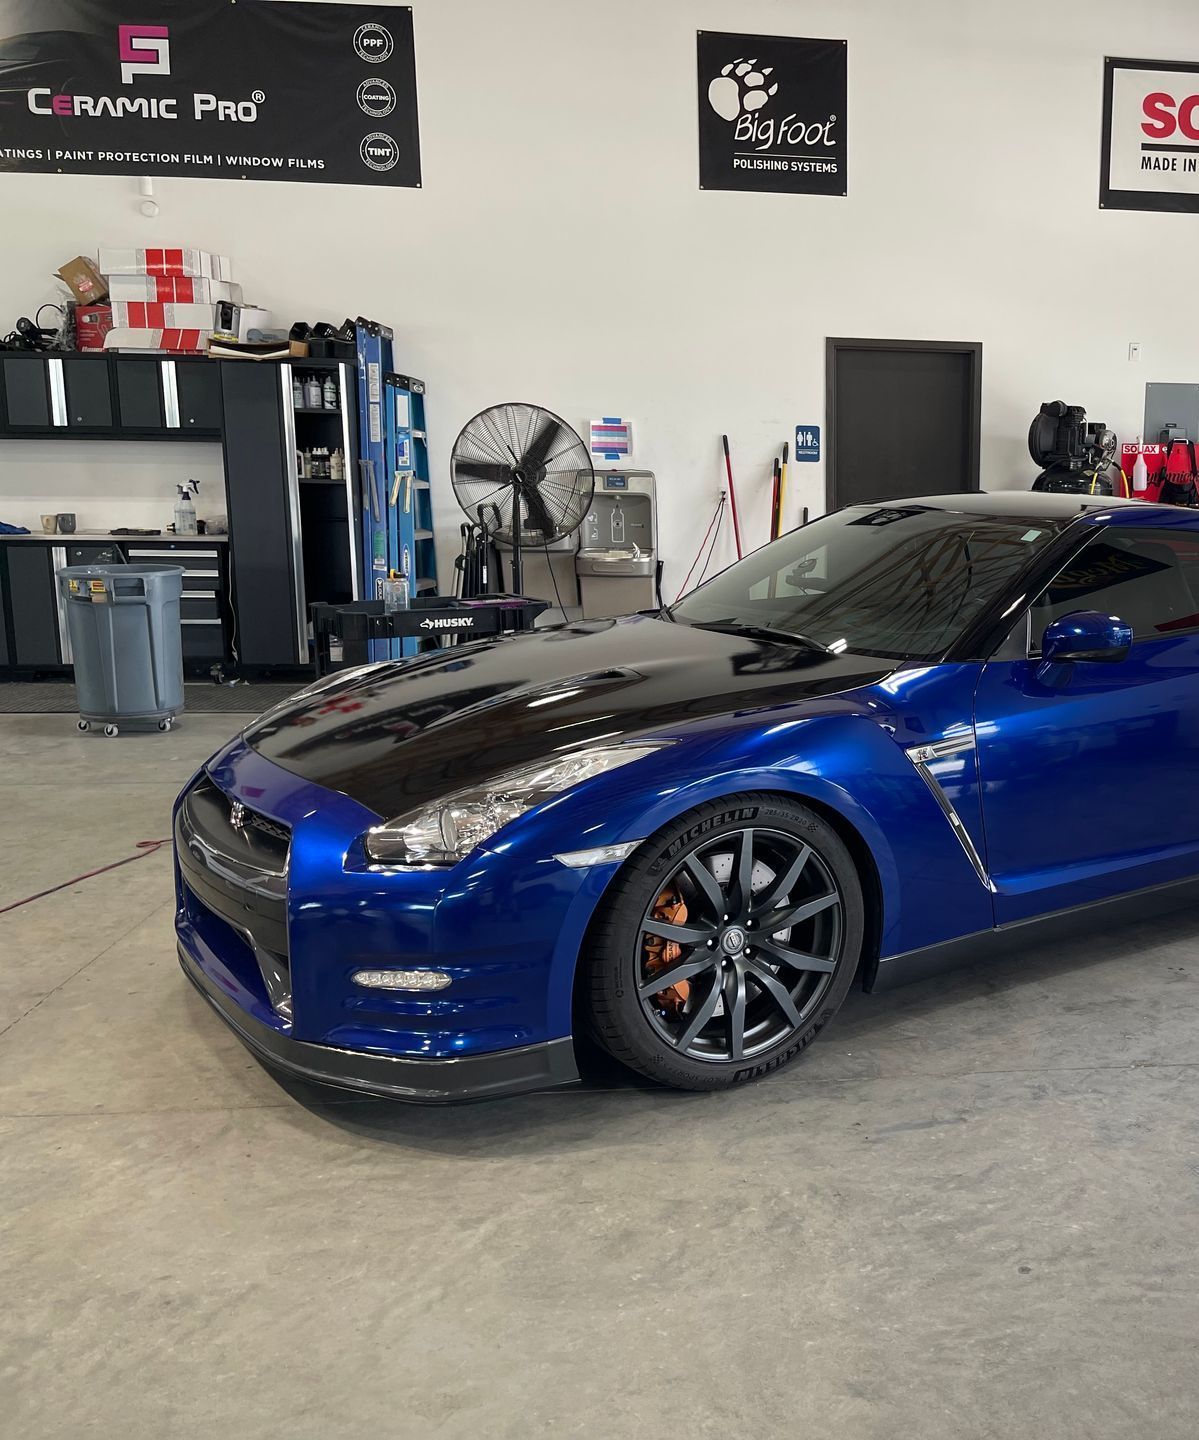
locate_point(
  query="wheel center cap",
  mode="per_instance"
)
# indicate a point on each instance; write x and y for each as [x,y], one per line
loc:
[732,942]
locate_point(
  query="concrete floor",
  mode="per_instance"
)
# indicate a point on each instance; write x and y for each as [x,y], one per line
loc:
[970,1212]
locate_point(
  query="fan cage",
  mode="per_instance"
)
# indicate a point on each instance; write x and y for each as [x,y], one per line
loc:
[521,450]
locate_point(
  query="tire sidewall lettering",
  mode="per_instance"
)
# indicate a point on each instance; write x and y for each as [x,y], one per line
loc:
[697,832]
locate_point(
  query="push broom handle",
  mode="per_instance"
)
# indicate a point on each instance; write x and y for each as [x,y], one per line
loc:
[728,465]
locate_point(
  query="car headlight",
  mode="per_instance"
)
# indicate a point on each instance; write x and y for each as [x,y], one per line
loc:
[443,833]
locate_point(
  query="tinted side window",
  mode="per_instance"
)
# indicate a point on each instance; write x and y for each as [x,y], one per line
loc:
[1148,577]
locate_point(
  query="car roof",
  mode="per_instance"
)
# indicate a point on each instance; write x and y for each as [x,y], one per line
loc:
[1021,504]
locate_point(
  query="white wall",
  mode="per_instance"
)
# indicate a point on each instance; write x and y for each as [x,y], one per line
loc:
[107,486]
[972,214]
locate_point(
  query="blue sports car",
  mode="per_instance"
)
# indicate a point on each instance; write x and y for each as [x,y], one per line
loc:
[894,738]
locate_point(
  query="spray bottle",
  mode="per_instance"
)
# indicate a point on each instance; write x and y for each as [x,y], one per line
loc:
[1140,471]
[185,511]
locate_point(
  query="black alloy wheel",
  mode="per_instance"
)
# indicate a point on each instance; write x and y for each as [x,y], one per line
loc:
[748,928]
[757,954]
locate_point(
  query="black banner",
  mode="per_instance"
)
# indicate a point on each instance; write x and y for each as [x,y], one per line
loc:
[772,113]
[252,90]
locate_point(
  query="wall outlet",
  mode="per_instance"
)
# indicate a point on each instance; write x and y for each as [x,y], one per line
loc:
[1134,351]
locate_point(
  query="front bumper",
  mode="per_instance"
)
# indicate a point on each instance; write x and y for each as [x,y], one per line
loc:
[273,938]
[428,1082]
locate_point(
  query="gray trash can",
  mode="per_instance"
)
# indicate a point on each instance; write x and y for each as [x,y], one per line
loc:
[126,642]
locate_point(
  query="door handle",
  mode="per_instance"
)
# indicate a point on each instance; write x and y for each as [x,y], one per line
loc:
[58,391]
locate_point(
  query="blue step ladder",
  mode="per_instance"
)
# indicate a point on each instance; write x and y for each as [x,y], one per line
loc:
[397,505]
[411,541]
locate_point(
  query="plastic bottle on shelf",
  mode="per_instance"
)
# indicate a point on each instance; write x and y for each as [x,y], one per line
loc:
[329,392]
[337,465]
[1140,471]
[395,593]
[297,391]
[312,393]
[185,511]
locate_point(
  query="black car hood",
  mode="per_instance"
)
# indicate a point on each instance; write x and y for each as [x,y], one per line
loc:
[401,734]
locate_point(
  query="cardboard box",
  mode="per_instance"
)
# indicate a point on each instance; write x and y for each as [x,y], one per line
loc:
[92,324]
[173,289]
[153,315]
[119,260]
[172,341]
[84,280]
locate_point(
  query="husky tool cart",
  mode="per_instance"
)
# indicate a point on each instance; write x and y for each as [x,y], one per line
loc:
[343,632]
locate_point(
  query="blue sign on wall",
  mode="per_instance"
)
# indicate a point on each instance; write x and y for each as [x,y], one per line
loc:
[807,442]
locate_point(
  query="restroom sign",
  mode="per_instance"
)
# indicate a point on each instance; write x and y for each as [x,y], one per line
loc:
[1150,146]
[807,442]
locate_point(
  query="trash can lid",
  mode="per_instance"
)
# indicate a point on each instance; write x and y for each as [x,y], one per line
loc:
[117,572]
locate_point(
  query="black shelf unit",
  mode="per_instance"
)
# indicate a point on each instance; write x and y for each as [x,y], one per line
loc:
[109,397]
[292,541]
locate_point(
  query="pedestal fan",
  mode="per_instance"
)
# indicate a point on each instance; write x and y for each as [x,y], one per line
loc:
[523,476]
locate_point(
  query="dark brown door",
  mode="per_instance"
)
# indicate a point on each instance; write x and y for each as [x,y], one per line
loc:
[903,419]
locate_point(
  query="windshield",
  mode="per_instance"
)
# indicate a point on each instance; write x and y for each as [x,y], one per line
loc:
[901,582]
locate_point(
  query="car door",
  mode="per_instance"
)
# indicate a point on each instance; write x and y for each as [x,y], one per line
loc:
[1090,771]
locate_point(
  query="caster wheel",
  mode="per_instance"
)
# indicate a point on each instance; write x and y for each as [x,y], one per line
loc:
[165,724]
[85,725]
[111,730]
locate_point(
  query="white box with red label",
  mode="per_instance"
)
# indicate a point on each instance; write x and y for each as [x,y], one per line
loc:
[119,260]
[157,315]
[174,341]
[173,289]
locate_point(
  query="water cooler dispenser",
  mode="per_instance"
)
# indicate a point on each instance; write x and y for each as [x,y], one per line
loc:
[618,545]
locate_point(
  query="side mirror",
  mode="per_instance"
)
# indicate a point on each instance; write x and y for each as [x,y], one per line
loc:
[1086,635]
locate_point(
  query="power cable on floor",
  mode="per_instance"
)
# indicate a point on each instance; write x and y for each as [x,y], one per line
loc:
[146,847]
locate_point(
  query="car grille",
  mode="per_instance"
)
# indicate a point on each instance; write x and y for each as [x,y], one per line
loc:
[233,861]
[238,831]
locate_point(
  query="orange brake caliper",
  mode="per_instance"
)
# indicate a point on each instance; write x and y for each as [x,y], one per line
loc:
[659,953]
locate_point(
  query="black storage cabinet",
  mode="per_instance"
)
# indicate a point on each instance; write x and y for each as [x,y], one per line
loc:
[32,606]
[262,527]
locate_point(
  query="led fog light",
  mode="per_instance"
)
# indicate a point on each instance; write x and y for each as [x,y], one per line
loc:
[401,979]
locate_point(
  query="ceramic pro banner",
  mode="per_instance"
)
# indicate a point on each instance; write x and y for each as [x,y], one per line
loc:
[771,113]
[1150,157]
[236,89]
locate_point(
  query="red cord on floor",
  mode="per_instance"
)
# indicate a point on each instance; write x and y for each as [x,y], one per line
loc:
[146,847]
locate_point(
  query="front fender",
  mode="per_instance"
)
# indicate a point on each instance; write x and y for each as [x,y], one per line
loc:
[842,760]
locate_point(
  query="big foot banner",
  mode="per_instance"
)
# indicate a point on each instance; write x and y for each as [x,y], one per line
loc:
[771,113]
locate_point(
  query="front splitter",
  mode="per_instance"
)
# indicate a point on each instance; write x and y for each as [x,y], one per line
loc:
[547,1066]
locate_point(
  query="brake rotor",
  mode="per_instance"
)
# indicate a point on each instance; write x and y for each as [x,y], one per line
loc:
[660,952]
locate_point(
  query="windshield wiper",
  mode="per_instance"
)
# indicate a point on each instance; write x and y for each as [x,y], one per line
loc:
[763,632]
